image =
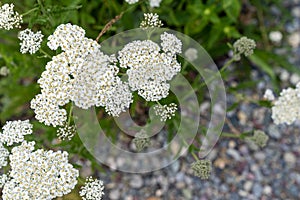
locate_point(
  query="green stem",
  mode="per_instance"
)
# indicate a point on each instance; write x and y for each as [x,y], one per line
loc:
[228,63]
[70,115]
[30,11]
[230,135]
[45,53]
[81,180]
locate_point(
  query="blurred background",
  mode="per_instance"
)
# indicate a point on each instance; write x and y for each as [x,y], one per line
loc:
[239,171]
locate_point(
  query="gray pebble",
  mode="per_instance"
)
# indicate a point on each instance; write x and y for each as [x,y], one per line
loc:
[257,189]
[136,181]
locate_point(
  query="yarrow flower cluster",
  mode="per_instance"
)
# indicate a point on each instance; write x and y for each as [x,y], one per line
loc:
[14,132]
[191,54]
[244,46]
[269,95]
[132,1]
[141,140]
[149,68]
[4,153]
[165,111]
[260,138]
[153,3]
[38,174]
[9,18]
[92,190]
[151,20]
[4,71]
[81,74]
[66,132]
[286,108]
[202,168]
[3,179]
[31,42]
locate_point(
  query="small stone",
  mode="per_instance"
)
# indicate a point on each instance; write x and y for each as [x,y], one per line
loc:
[212,154]
[248,186]
[257,190]
[136,181]
[267,190]
[234,153]
[242,117]
[180,185]
[243,193]
[114,194]
[290,158]
[273,131]
[187,193]
[259,156]
[159,193]
[175,166]
[220,163]
[231,144]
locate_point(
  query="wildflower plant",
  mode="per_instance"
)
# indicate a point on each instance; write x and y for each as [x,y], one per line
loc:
[142,80]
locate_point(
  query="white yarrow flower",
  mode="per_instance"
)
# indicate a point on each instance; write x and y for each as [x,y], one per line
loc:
[9,18]
[286,108]
[269,95]
[31,42]
[165,111]
[14,132]
[92,190]
[4,71]
[191,54]
[154,3]
[275,36]
[66,132]
[170,43]
[81,74]
[4,153]
[243,46]
[132,1]
[151,20]
[39,174]
[3,179]
[150,69]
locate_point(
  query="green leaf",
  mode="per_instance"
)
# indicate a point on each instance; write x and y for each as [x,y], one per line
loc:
[232,9]
[264,66]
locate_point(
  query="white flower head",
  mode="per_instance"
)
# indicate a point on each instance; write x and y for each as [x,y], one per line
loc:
[191,54]
[165,111]
[275,36]
[39,174]
[118,99]
[81,74]
[92,190]
[154,3]
[286,108]
[4,71]
[151,20]
[149,68]
[31,42]
[9,18]
[170,43]
[66,132]
[14,132]
[48,112]
[65,36]
[269,95]
[244,46]
[4,153]
[132,1]
[3,179]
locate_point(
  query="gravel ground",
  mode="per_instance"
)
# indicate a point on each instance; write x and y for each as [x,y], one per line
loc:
[239,172]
